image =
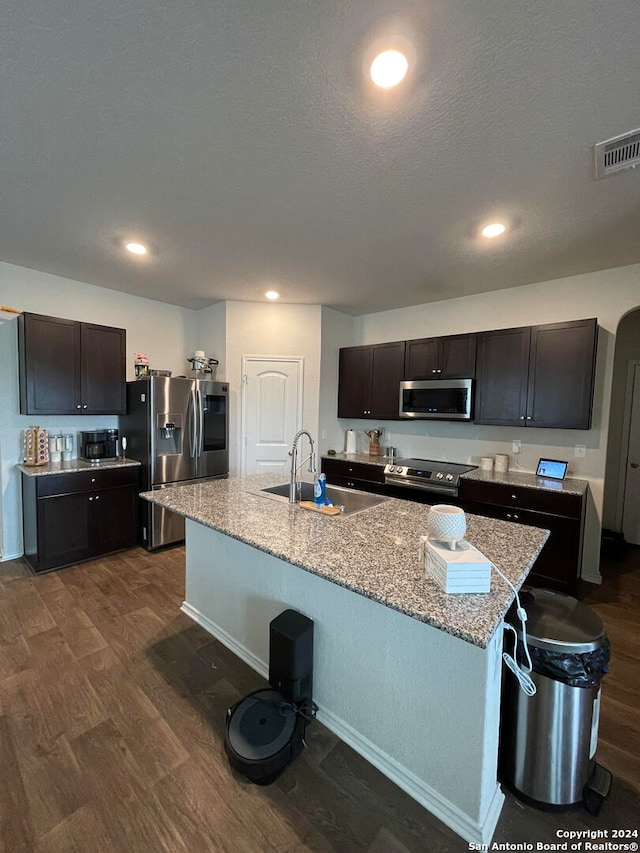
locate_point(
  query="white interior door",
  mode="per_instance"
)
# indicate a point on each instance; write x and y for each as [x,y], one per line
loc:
[631,512]
[271,412]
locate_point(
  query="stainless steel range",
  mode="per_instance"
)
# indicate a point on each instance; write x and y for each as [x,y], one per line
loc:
[426,475]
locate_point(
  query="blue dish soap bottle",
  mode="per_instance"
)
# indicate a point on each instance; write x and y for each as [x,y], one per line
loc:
[319,490]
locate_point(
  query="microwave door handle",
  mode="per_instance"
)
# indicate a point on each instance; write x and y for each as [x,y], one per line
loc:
[200,422]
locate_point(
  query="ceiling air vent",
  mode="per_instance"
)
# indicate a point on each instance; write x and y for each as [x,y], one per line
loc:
[618,154]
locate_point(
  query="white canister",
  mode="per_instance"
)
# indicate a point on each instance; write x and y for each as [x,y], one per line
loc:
[502,462]
[350,441]
[55,448]
[486,463]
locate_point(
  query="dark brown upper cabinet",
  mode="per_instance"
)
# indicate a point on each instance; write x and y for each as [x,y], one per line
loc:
[452,357]
[538,376]
[369,381]
[70,368]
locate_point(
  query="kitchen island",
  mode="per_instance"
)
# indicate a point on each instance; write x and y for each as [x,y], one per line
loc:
[405,674]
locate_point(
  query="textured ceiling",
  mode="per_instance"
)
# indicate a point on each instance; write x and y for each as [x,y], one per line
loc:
[241,140]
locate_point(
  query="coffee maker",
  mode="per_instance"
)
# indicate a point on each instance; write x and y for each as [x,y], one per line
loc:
[96,445]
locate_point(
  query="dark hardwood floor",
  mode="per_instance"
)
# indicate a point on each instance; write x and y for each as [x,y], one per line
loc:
[112,711]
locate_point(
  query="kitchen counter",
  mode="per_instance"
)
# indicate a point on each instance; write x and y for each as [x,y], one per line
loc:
[530,481]
[373,553]
[362,458]
[511,478]
[69,466]
[406,675]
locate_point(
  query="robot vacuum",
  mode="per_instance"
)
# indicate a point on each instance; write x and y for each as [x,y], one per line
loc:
[264,733]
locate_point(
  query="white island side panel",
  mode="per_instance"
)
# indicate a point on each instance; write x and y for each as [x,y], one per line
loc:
[418,703]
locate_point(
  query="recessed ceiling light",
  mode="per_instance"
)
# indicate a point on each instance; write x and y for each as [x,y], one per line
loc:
[136,248]
[389,68]
[271,294]
[494,230]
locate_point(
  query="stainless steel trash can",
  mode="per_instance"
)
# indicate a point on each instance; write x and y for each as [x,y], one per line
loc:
[548,741]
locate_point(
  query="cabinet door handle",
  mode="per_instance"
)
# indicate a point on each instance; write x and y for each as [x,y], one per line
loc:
[521,417]
[514,497]
[97,497]
[85,406]
[434,370]
[78,406]
[439,370]
[93,479]
[528,417]
[91,498]
[514,515]
[634,464]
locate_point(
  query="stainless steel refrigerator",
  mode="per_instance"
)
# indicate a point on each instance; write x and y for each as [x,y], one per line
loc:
[178,430]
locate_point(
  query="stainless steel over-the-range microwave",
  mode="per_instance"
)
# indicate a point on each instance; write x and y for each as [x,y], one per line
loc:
[439,399]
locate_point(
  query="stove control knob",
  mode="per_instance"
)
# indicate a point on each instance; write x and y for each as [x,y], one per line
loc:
[439,476]
[449,476]
[400,470]
[390,469]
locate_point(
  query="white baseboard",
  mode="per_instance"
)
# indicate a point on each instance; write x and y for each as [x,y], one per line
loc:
[472,831]
[4,558]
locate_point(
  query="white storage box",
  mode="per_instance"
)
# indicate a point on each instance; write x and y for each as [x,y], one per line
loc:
[464,569]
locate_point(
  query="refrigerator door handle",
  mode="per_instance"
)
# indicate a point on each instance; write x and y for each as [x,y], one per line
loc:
[200,422]
[193,425]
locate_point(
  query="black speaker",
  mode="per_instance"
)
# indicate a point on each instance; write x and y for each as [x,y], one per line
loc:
[291,655]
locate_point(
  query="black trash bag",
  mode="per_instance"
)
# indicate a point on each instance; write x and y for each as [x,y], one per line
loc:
[576,670]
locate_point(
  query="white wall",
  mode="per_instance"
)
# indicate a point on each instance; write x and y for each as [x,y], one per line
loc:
[254,328]
[337,332]
[166,333]
[605,295]
[212,335]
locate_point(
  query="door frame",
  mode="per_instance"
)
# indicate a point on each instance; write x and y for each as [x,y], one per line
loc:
[246,360]
[624,444]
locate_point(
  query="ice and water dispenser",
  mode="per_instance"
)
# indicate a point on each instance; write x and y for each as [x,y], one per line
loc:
[169,429]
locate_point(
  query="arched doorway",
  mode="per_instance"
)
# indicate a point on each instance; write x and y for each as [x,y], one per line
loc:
[621,506]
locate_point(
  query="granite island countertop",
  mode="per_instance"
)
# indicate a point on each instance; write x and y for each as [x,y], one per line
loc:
[373,553]
[72,466]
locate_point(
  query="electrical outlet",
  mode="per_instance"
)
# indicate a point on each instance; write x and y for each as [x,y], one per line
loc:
[580,451]
[516,446]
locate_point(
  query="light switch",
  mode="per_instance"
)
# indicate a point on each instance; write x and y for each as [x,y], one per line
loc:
[516,446]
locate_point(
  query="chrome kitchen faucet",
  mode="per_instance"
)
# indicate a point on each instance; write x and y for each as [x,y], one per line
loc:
[293,453]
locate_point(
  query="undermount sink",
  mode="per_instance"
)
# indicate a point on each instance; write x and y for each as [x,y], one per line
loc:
[348,500]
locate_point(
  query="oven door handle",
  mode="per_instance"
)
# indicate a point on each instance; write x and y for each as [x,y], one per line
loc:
[402,481]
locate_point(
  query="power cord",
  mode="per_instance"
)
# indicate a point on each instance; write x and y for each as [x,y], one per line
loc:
[307,709]
[522,673]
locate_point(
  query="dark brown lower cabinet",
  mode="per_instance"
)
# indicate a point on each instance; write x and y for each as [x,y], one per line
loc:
[558,564]
[354,475]
[69,518]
